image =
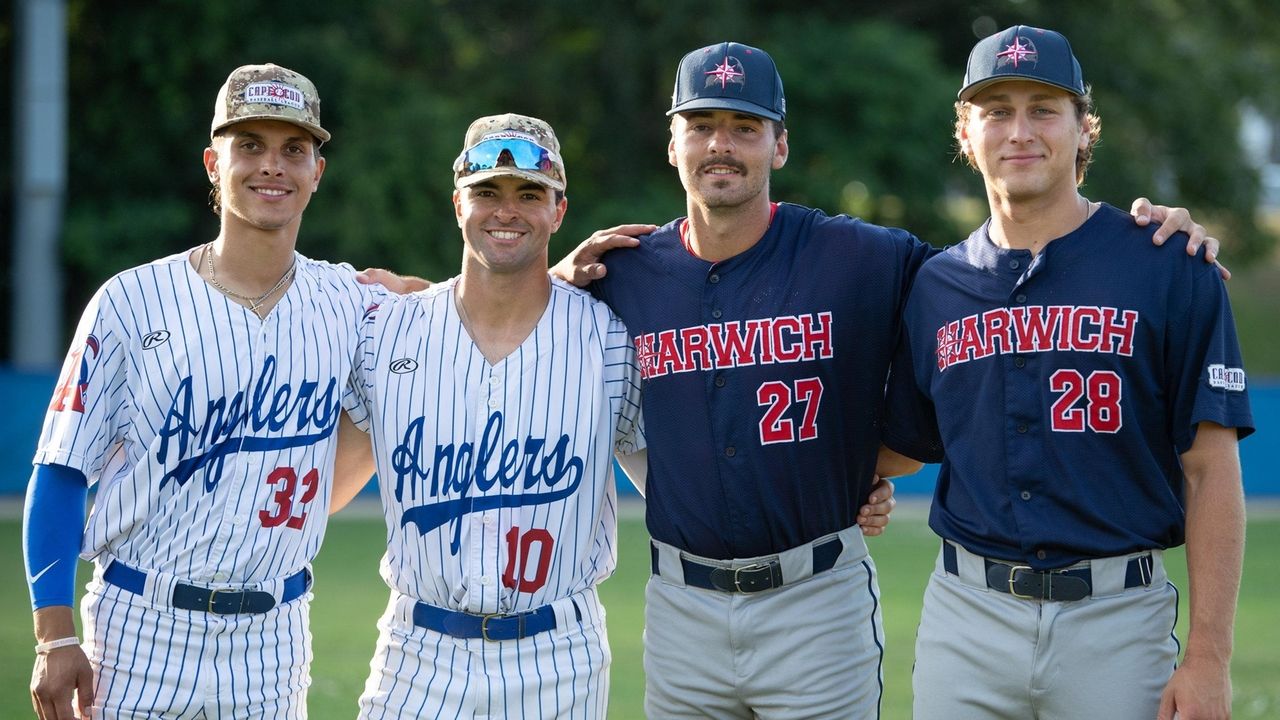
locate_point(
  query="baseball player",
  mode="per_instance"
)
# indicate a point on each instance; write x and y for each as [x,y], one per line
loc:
[496,401]
[1089,416]
[764,333]
[203,397]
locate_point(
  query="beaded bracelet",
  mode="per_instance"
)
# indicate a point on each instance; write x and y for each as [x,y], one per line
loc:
[45,647]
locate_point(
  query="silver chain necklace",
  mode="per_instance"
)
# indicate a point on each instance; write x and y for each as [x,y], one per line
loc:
[254,303]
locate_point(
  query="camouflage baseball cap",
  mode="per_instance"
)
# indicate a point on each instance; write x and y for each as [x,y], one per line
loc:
[268,92]
[515,145]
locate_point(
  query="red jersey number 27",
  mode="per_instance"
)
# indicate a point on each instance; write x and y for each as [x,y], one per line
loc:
[781,423]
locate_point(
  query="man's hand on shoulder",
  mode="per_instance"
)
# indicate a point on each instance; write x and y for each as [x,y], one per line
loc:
[583,265]
[1176,219]
[399,284]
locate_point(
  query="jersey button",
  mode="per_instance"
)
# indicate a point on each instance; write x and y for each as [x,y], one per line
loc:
[493,403]
[1014,264]
[1040,554]
[486,581]
[730,451]
[1025,495]
[1019,362]
[494,380]
[715,278]
[720,381]
[1021,298]
[716,314]
[1022,428]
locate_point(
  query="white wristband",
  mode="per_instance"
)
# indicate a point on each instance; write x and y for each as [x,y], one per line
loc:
[45,647]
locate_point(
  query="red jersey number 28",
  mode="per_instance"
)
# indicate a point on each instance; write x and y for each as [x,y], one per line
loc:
[1101,392]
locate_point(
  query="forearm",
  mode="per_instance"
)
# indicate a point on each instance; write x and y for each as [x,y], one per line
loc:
[1215,518]
[52,529]
[54,623]
[353,465]
[894,464]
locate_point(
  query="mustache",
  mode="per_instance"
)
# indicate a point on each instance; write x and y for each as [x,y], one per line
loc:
[723,162]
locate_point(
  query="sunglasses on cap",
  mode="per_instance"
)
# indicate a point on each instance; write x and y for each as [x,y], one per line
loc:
[506,152]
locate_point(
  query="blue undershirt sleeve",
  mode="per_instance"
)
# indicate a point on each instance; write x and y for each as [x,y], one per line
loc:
[52,528]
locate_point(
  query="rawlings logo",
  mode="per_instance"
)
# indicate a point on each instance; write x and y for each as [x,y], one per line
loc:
[455,469]
[155,339]
[403,365]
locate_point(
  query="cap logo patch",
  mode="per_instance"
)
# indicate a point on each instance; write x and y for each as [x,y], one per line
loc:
[1017,52]
[730,71]
[274,93]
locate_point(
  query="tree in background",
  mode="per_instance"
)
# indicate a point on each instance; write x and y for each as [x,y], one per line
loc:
[869,88]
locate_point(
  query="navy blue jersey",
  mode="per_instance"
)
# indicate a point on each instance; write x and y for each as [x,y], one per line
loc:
[763,376]
[1063,389]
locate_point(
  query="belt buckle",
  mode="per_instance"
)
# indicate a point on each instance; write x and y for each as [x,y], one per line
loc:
[1013,570]
[213,594]
[484,626]
[737,581]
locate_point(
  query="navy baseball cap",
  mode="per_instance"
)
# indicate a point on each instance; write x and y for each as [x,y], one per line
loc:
[729,76]
[1022,52]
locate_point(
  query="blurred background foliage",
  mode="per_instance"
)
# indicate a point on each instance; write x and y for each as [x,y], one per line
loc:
[870,88]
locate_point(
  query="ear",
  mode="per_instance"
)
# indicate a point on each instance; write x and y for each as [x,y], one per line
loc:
[211,164]
[319,171]
[561,208]
[966,148]
[457,206]
[780,151]
[1086,127]
[671,152]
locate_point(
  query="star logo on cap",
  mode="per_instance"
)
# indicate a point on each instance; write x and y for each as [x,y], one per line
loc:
[730,71]
[1017,52]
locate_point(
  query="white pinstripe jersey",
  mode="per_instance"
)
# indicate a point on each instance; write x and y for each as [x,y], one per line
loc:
[497,480]
[209,432]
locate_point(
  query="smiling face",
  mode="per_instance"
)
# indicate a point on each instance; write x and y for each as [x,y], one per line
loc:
[1024,138]
[266,172]
[506,223]
[725,157]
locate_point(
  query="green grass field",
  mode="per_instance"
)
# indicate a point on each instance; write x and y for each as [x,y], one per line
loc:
[350,596]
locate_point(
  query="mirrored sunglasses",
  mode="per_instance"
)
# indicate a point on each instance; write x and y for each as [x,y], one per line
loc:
[506,152]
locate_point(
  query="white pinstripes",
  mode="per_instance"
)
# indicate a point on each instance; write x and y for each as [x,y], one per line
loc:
[151,661]
[176,372]
[417,673]
[484,456]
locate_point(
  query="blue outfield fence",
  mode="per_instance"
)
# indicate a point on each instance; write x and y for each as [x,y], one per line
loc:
[29,395]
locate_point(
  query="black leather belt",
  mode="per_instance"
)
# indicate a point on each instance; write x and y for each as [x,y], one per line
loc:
[1066,585]
[490,627]
[753,578]
[212,600]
